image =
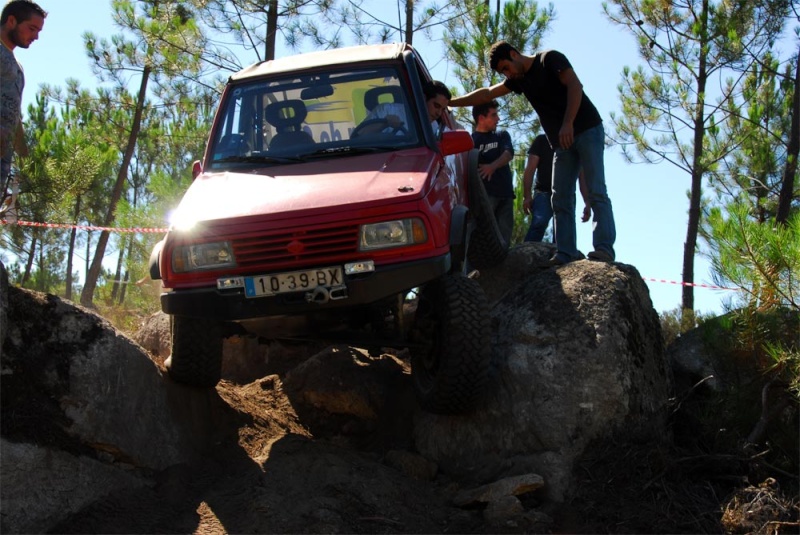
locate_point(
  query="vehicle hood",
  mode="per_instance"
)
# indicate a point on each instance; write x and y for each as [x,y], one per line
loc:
[320,185]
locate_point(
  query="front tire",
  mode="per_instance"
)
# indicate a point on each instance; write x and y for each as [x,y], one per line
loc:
[450,353]
[196,358]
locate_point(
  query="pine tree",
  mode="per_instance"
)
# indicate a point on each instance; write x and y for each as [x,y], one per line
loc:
[672,109]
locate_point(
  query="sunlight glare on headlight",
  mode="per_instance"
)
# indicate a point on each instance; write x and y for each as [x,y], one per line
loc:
[181,221]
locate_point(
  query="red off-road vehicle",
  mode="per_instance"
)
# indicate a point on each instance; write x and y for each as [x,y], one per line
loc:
[312,217]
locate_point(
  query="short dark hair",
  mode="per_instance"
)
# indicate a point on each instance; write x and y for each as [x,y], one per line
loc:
[434,88]
[21,10]
[500,50]
[483,109]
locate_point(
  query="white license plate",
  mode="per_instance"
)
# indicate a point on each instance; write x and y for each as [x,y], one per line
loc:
[295,281]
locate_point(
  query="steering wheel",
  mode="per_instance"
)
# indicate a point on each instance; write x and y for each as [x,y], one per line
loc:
[378,127]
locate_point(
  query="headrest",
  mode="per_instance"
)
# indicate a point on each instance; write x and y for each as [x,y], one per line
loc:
[286,113]
[372,96]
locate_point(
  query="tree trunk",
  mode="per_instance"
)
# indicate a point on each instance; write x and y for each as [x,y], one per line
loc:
[118,273]
[693,226]
[88,254]
[87,295]
[272,30]
[124,286]
[40,280]
[73,234]
[127,273]
[793,151]
[29,263]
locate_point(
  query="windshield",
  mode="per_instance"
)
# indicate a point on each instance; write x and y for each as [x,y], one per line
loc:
[300,117]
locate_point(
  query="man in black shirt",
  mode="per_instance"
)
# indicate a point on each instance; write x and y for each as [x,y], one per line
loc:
[575,131]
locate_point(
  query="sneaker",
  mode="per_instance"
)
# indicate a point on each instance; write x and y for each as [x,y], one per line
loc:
[560,260]
[601,256]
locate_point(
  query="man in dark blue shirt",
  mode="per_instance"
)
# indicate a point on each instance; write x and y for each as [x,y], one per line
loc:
[495,153]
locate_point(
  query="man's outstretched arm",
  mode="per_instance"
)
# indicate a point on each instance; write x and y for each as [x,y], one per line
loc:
[480,96]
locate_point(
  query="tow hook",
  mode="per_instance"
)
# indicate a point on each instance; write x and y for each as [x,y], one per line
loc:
[338,292]
[318,295]
[322,295]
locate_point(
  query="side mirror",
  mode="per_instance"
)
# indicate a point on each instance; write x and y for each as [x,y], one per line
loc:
[197,168]
[455,141]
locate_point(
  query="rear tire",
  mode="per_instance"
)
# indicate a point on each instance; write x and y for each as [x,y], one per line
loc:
[196,358]
[450,353]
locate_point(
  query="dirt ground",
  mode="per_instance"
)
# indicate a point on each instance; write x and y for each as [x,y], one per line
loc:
[272,476]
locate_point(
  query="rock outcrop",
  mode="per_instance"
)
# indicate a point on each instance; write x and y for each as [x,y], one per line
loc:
[81,406]
[577,356]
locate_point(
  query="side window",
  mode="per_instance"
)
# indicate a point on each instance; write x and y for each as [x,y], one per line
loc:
[444,122]
[232,137]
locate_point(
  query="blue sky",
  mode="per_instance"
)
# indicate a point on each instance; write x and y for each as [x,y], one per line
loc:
[650,201]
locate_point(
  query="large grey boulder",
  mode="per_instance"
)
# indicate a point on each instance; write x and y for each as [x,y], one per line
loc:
[97,385]
[84,410]
[154,336]
[577,357]
[42,485]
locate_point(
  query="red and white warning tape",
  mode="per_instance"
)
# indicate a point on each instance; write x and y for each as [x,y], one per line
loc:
[679,283]
[161,230]
[84,227]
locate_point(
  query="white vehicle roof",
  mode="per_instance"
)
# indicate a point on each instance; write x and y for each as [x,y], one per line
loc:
[336,56]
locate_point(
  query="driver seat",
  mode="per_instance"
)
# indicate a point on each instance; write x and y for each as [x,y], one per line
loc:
[380,107]
[287,117]
[377,95]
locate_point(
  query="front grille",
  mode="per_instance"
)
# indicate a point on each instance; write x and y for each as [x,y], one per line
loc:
[280,250]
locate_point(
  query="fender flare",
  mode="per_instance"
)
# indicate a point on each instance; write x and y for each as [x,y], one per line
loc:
[155,255]
[459,227]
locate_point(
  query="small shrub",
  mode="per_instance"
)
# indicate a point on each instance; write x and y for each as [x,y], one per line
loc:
[678,321]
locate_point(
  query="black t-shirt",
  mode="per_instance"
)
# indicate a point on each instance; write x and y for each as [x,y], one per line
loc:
[548,95]
[544,169]
[490,146]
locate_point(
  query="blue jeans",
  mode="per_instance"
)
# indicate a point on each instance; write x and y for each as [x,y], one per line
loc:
[587,152]
[541,214]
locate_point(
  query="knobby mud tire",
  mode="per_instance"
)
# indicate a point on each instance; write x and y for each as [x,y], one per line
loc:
[451,353]
[487,247]
[196,358]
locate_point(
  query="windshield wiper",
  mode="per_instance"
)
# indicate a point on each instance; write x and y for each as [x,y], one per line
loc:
[257,159]
[348,151]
